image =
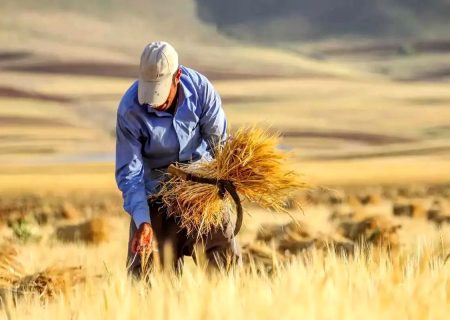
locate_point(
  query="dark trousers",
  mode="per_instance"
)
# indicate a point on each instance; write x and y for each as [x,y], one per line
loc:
[219,247]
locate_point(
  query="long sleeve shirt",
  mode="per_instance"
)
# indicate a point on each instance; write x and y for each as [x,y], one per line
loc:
[148,140]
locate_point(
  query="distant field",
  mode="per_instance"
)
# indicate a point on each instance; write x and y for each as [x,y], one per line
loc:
[64,118]
[332,100]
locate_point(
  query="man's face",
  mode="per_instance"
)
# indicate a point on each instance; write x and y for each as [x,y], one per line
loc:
[172,93]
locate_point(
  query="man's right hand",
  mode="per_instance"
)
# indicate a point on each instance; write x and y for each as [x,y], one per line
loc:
[142,238]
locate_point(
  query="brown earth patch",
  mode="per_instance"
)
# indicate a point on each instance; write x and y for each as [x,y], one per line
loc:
[32,121]
[14,55]
[389,48]
[241,99]
[12,137]
[440,74]
[26,150]
[80,68]
[391,153]
[123,70]
[17,93]
[430,101]
[233,75]
[27,137]
[363,137]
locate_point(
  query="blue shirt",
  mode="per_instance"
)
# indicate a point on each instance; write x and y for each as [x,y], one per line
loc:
[147,140]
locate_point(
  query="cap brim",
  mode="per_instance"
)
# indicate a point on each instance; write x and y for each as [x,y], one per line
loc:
[154,93]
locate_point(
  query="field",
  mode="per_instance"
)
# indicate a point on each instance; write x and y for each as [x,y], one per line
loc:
[367,123]
[297,272]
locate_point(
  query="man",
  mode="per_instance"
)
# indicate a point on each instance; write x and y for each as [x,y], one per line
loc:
[171,114]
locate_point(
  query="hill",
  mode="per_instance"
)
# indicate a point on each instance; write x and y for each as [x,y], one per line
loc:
[292,20]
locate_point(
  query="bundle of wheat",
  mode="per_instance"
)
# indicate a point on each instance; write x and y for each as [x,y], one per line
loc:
[376,230]
[336,243]
[251,161]
[51,281]
[95,231]
[277,232]
[439,211]
[11,270]
[295,237]
[46,284]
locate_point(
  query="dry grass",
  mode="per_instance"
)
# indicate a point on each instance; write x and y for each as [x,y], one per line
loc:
[262,257]
[51,282]
[280,277]
[251,161]
[46,284]
[320,286]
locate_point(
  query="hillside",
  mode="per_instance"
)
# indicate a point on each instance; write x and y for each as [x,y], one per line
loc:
[278,21]
[106,29]
[113,31]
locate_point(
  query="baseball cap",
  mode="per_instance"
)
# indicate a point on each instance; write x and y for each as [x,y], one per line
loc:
[159,62]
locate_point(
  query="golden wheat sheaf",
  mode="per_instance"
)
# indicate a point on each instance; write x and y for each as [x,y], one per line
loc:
[252,161]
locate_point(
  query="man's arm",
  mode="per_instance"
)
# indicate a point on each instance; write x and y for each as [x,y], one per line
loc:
[213,122]
[130,171]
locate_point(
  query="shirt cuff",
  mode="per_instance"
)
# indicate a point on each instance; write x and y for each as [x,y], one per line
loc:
[140,217]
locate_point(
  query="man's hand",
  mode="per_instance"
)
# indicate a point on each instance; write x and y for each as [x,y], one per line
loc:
[143,238]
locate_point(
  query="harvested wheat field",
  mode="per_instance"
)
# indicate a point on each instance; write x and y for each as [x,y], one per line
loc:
[322,287]
[329,259]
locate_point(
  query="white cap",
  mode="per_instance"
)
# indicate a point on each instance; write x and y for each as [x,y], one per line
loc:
[159,62]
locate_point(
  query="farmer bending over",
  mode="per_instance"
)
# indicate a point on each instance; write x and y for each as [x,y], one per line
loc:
[171,114]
